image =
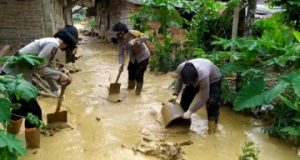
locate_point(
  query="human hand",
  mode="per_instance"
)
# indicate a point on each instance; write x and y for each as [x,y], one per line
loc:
[64,79]
[187,115]
[132,42]
[173,99]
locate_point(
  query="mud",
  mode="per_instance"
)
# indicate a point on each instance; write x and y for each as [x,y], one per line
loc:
[131,128]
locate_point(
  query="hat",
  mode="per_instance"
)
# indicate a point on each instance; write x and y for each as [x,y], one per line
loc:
[67,38]
[73,30]
[189,73]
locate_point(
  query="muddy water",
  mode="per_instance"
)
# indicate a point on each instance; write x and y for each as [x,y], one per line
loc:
[104,130]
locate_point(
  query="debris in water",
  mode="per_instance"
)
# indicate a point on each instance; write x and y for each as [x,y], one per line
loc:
[98,119]
[50,129]
[160,148]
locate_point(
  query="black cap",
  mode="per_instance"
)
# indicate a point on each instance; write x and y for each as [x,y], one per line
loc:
[120,27]
[67,38]
[189,73]
[73,30]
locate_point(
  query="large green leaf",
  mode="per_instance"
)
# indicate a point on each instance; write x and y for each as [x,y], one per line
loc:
[249,95]
[293,78]
[293,131]
[26,60]
[25,89]
[13,145]
[296,84]
[253,94]
[288,103]
[4,111]
[297,35]
[232,68]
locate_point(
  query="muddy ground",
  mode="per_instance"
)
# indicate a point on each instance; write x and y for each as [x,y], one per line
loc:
[132,129]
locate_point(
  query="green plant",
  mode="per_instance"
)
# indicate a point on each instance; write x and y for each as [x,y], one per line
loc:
[92,22]
[249,151]
[291,12]
[208,23]
[15,87]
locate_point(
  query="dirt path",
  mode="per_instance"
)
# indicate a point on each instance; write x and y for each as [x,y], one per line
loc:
[131,129]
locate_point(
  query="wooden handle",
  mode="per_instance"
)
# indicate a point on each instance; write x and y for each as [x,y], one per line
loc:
[60,98]
[118,77]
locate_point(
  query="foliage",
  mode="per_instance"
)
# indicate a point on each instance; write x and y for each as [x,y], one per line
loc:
[249,151]
[140,21]
[165,12]
[162,60]
[208,23]
[291,12]
[22,60]
[92,22]
[167,53]
[15,87]
[10,147]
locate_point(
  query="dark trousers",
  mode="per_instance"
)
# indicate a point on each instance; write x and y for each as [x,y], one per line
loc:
[212,104]
[26,107]
[136,70]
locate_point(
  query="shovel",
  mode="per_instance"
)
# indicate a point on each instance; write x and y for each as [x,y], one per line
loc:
[114,88]
[58,116]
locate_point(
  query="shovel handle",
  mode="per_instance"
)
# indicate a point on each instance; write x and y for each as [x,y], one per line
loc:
[118,77]
[60,98]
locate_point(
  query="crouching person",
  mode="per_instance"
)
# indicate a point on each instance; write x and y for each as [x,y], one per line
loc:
[202,81]
[46,48]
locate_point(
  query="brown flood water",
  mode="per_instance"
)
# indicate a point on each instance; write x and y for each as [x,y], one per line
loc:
[102,130]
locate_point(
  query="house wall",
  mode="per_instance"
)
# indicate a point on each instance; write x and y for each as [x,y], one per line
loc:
[110,12]
[22,21]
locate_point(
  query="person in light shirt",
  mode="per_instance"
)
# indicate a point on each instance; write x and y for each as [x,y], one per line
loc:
[46,48]
[202,80]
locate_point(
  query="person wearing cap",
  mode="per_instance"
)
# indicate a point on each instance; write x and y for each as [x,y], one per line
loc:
[133,42]
[45,48]
[202,80]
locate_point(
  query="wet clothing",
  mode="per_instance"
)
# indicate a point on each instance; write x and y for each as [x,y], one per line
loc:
[138,52]
[207,87]
[136,70]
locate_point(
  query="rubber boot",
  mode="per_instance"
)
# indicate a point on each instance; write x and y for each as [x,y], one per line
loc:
[212,127]
[131,84]
[14,126]
[139,87]
[32,137]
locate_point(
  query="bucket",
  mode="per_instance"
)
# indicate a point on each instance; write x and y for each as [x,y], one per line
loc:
[172,115]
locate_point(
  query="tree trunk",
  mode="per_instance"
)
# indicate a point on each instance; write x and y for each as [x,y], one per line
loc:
[235,22]
[234,33]
[250,17]
[68,5]
[242,20]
